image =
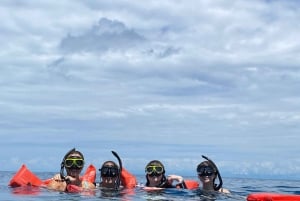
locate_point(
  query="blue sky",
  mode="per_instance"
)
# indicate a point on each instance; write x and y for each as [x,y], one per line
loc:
[170,80]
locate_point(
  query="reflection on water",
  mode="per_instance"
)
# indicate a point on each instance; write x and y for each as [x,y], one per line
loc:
[239,188]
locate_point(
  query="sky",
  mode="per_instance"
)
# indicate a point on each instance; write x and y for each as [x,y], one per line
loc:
[169,80]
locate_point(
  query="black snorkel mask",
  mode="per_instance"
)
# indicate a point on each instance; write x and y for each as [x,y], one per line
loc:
[112,171]
[216,186]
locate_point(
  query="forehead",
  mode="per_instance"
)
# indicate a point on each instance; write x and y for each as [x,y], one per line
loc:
[74,155]
[110,164]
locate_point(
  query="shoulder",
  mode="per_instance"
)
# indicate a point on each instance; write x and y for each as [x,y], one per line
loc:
[224,190]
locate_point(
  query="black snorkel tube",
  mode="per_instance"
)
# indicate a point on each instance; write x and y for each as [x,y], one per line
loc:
[62,166]
[120,168]
[216,186]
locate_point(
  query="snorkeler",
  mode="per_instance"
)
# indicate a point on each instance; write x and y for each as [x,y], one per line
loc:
[155,176]
[207,173]
[113,176]
[73,163]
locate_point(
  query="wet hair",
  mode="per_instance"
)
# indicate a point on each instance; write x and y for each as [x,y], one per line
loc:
[163,181]
[112,162]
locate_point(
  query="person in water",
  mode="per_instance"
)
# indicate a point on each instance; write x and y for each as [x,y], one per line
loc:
[113,176]
[110,175]
[73,163]
[207,173]
[155,176]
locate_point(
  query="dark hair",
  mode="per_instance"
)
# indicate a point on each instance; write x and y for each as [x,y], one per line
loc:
[114,164]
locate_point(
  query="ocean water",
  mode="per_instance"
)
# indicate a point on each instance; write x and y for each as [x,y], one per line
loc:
[239,188]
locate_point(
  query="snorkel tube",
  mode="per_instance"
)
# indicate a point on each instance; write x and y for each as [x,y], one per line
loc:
[62,166]
[216,186]
[120,168]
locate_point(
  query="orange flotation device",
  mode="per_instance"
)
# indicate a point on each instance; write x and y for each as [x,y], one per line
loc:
[265,196]
[191,184]
[90,174]
[128,180]
[188,184]
[24,177]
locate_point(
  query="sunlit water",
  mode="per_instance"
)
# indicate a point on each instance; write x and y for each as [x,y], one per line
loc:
[239,188]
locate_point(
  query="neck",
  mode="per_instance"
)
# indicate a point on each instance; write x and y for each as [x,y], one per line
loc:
[208,187]
[76,181]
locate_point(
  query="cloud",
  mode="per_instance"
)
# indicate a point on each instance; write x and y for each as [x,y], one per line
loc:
[175,77]
[106,35]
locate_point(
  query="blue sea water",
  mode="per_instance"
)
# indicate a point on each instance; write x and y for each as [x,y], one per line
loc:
[239,188]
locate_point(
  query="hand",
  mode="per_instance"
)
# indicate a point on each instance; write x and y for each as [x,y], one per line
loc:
[172,178]
[70,179]
[57,178]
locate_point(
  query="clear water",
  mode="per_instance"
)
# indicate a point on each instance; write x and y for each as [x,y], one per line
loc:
[239,188]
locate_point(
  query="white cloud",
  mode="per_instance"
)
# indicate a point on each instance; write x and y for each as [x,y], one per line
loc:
[222,78]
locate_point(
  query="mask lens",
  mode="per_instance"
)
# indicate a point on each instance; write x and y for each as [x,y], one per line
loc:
[152,169]
[109,171]
[149,169]
[205,171]
[79,162]
[159,169]
[68,163]
[74,162]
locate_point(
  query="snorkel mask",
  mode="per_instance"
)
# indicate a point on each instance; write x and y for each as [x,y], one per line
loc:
[112,170]
[70,162]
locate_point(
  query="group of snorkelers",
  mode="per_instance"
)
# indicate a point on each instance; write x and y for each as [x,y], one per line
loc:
[111,175]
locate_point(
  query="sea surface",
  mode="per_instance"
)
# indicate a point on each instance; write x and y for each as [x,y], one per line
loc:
[239,188]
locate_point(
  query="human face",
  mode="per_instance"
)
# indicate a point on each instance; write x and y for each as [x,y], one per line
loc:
[154,179]
[72,166]
[109,175]
[206,175]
